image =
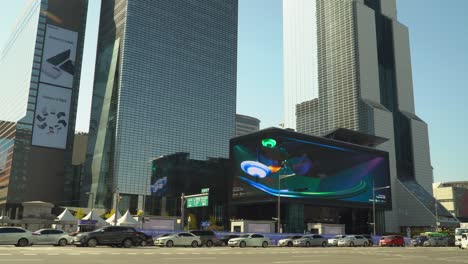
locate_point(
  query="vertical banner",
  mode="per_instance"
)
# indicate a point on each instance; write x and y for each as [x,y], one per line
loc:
[51,117]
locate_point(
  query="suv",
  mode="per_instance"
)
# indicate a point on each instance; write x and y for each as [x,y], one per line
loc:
[109,235]
[207,237]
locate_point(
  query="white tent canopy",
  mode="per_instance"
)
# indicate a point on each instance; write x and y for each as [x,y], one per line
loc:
[111,219]
[93,216]
[65,216]
[127,220]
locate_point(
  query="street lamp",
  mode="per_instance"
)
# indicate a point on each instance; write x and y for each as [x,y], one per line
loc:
[373,201]
[283,165]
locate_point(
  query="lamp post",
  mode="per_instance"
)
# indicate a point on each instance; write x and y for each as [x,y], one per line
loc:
[283,165]
[373,203]
[91,194]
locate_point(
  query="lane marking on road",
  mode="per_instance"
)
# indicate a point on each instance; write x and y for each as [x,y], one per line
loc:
[115,253]
[53,254]
[190,258]
[30,254]
[297,261]
[7,254]
[149,253]
[20,260]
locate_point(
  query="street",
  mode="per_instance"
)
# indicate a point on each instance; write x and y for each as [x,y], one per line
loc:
[272,255]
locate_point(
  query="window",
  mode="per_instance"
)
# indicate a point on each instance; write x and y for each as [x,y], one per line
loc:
[257,236]
[55,232]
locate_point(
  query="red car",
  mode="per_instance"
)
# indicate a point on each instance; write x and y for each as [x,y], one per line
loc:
[392,241]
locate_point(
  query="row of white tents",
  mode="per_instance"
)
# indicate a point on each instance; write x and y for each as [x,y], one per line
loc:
[127,219]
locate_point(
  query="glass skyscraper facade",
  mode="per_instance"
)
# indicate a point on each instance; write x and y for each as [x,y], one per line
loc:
[39,83]
[359,55]
[165,82]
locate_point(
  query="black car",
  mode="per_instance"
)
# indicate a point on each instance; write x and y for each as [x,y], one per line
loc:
[418,241]
[109,236]
[144,239]
[207,237]
[224,240]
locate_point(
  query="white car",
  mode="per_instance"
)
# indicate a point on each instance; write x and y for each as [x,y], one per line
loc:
[311,240]
[287,242]
[249,240]
[464,241]
[353,241]
[51,237]
[15,236]
[334,240]
[178,239]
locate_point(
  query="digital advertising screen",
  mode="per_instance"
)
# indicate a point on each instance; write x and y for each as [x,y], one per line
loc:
[308,170]
[51,117]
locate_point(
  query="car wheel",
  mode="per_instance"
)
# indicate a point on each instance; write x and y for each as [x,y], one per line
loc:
[23,242]
[307,244]
[169,243]
[264,244]
[92,242]
[127,243]
[209,243]
[143,243]
[290,244]
[242,244]
[223,244]
[365,244]
[62,242]
[324,244]
[351,244]
[195,244]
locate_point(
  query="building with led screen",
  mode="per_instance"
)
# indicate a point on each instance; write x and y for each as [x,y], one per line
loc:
[319,180]
[40,69]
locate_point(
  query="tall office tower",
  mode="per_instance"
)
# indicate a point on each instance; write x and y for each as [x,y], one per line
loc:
[347,65]
[165,82]
[39,83]
[246,125]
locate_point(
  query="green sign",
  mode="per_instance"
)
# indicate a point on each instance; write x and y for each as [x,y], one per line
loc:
[205,190]
[197,201]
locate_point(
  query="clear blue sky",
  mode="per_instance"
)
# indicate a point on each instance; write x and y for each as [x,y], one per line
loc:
[439,53]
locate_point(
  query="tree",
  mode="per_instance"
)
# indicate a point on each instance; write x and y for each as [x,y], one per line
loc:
[79,214]
[193,223]
[109,214]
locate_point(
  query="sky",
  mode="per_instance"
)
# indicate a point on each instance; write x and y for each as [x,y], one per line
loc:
[439,55]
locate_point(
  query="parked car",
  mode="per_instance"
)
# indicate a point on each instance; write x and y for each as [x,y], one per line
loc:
[110,236]
[288,241]
[464,241]
[178,239]
[51,237]
[369,238]
[437,242]
[311,240]
[144,239]
[15,236]
[353,241]
[418,241]
[249,240]
[207,237]
[224,239]
[334,240]
[392,241]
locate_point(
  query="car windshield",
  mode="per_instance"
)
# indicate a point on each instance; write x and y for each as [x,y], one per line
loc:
[245,236]
[348,238]
[460,231]
[294,237]
[165,235]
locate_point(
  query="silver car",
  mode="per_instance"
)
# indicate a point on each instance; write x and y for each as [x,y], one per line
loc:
[353,241]
[334,240]
[51,237]
[311,240]
[249,240]
[15,236]
[437,242]
[178,239]
[287,242]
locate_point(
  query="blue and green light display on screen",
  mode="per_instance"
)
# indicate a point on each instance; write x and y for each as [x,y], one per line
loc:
[308,169]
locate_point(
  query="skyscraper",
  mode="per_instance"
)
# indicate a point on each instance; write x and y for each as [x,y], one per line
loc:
[246,125]
[165,82]
[347,65]
[39,83]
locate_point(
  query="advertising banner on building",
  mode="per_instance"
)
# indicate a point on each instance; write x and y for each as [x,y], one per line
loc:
[51,117]
[58,58]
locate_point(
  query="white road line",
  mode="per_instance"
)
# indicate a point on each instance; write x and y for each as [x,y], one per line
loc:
[52,254]
[190,258]
[297,261]
[114,253]
[7,254]
[30,254]
[19,260]
[148,253]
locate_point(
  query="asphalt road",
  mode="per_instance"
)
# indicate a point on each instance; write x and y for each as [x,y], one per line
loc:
[272,255]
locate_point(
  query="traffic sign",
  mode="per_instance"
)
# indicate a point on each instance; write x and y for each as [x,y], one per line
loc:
[200,201]
[205,190]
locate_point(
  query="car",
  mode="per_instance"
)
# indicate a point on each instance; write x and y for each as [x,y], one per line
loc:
[17,236]
[249,240]
[224,239]
[458,235]
[369,238]
[311,240]
[288,241]
[418,241]
[353,241]
[51,237]
[392,241]
[334,240]
[464,241]
[144,239]
[437,242]
[124,236]
[207,237]
[178,239]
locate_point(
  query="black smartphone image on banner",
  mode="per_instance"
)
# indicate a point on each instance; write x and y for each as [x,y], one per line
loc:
[59,58]
[68,67]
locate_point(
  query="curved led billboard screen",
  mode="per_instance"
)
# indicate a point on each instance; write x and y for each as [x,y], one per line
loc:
[309,169]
